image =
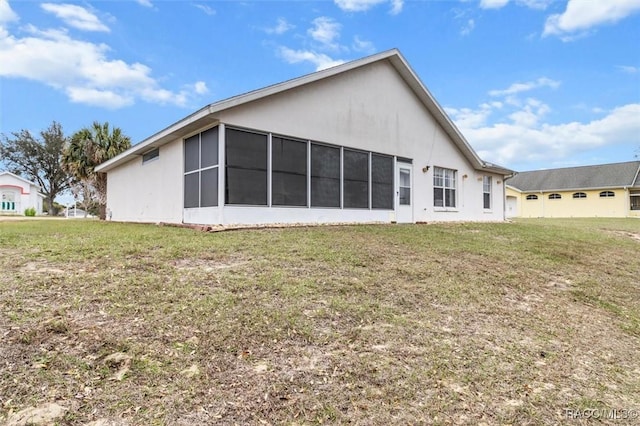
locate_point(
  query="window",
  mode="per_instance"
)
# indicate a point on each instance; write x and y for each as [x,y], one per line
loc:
[288,172]
[201,169]
[634,199]
[8,202]
[381,182]
[607,194]
[404,187]
[356,179]
[532,197]
[555,196]
[325,176]
[150,155]
[246,168]
[486,191]
[579,195]
[444,187]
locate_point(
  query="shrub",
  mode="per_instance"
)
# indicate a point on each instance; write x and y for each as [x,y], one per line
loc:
[31,211]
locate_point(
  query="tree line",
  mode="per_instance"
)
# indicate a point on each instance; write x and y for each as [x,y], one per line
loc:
[57,163]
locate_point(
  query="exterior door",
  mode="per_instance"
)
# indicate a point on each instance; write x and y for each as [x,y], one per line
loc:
[404,193]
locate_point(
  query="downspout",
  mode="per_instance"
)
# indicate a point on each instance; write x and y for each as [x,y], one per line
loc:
[504,194]
[627,201]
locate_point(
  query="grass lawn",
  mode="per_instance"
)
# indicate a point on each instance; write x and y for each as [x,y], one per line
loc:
[514,323]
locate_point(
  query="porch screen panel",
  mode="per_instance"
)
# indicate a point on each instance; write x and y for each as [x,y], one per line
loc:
[192,153]
[209,148]
[209,187]
[191,190]
[289,172]
[246,168]
[356,179]
[381,182]
[325,176]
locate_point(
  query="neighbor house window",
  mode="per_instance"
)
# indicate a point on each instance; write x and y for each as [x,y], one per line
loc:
[201,169]
[532,197]
[150,155]
[486,191]
[634,198]
[288,172]
[579,195]
[444,187]
[246,167]
[607,194]
[555,196]
[325,176]
[381,181]
[356,179]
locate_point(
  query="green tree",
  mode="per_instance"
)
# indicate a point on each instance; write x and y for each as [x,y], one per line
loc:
[88,148]
[38,160]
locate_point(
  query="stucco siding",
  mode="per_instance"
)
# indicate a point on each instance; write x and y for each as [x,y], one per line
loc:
[372,108]
[567,206]
[150,192]
[23,195]
[377,107]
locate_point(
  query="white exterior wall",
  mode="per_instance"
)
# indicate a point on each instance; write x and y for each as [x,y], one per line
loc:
[373,109]
[150,192]
[369,108]
[25,194]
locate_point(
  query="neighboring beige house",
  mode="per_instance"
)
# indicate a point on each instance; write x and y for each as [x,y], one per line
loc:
[18,194]
[604,190]
[364,141]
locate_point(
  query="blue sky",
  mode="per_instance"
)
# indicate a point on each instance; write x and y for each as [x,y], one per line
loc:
[530,83]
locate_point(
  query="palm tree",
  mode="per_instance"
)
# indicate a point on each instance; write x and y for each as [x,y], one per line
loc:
[90,147]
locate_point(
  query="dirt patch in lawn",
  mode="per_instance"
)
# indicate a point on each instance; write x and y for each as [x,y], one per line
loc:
[376,325]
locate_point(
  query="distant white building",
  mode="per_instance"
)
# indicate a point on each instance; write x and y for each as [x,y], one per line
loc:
[364,141]
[18,194]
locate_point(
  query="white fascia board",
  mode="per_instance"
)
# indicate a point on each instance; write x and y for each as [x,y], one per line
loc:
[195,120]
[412,79]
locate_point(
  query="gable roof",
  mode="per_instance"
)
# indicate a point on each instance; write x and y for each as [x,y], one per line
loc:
[601,176]
[20,178]
[206,115]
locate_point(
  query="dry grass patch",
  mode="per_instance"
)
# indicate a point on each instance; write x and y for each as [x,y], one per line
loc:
[439,324]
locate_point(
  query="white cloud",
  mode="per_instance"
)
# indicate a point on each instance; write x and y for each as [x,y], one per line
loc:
[360,45]
[524,87]
[320,60]
[102,98]
[493,4]
[75,16]
[396,6]
[628,69]
[364,5]
[82,70]
[535,4]
[521,136]
[200,87]
[145,3]
[325,30]
[6,13]
[583,15]
[206,9]
[469,26]
[281,27]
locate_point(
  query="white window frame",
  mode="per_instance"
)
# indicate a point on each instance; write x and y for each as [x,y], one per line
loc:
[448,183]
[486,191]
[151,155]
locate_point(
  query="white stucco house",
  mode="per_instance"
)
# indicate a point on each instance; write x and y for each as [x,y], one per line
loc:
[364,141]
[18,194]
